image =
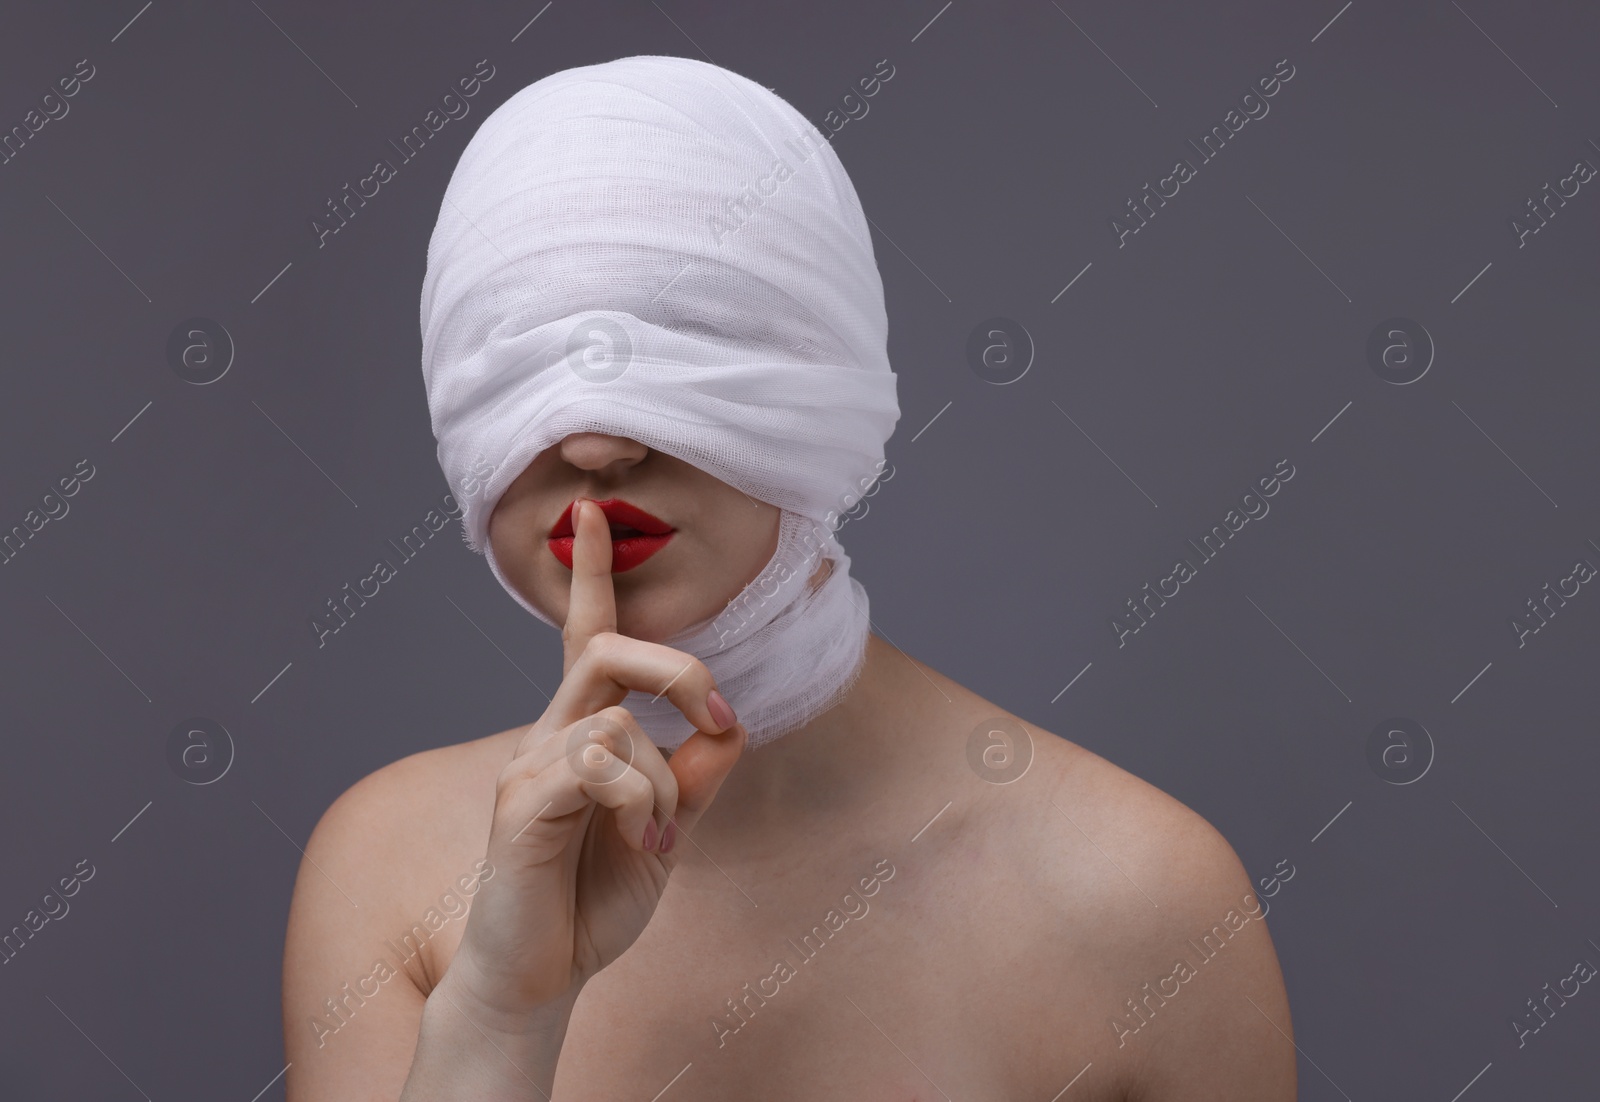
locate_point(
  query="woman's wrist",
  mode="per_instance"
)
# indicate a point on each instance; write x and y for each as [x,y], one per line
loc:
[464,990]
[470,1050]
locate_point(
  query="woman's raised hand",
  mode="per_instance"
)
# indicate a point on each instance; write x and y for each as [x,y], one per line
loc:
[589,815]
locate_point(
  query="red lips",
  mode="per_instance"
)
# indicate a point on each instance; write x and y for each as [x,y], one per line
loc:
[635,535]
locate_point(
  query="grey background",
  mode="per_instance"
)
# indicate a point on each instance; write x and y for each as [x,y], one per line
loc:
[1228,334]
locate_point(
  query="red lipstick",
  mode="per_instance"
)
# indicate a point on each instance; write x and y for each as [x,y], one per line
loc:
[635,535]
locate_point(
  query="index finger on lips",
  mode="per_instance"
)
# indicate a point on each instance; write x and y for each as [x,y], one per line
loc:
[592,601]
[613,665]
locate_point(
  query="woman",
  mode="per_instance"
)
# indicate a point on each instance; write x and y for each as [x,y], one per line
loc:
[749,848]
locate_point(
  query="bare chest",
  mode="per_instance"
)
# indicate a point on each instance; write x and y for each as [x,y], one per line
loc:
[899,956]
[887,982]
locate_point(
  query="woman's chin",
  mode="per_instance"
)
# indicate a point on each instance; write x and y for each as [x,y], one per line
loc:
[651,628]
[650,617]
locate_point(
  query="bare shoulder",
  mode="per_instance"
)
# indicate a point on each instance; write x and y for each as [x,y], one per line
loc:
[1136,950]
[392,838]
[1168,933]
[1185,857]
[378,904]
[420,798]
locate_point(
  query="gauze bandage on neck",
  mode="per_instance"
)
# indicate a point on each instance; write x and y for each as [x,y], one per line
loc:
[660,249]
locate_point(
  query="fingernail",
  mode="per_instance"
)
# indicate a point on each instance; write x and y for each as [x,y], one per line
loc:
[720,710]
[575,506]
[669,836]
[650,835]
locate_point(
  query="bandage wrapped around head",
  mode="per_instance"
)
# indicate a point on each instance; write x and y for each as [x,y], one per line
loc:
[661,249]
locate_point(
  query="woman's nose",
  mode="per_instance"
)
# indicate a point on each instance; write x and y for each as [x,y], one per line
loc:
[596,451]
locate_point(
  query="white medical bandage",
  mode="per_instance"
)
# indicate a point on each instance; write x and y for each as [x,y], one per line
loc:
[660,249]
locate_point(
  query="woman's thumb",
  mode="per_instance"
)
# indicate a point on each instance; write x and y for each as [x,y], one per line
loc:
[701,764]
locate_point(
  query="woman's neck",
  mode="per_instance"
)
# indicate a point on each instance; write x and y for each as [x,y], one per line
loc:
[847,756]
